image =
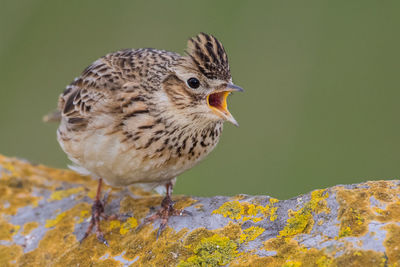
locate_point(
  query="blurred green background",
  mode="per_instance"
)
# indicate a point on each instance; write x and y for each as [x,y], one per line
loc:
[321,105]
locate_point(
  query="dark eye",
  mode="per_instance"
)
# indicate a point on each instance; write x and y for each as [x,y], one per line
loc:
[193,83]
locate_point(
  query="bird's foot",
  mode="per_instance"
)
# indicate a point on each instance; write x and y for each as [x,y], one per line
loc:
[97,214]
[167,210]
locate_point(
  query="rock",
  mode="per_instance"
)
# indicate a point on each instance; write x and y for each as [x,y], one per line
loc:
[45,211]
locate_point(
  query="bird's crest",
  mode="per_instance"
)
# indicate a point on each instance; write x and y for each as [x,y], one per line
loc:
[209,55]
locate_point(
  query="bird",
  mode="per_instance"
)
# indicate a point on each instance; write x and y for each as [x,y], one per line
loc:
[144,116]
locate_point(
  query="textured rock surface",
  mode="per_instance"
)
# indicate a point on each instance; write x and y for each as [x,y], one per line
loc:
[44,211]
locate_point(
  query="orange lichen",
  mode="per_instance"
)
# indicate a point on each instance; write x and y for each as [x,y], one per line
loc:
[227,245]
[19,179]
[9,255]
[355,210]
[392,244]
[7,230]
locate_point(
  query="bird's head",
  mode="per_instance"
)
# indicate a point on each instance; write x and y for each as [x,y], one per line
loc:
[201,81]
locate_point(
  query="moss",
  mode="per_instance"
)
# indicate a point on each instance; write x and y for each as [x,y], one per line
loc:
[212,251]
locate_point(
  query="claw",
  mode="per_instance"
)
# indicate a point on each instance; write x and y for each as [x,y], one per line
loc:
[105,198]
[101,238]
[97,214]
[167,210]
[160,229]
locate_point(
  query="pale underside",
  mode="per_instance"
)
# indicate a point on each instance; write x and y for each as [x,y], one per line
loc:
[105,156]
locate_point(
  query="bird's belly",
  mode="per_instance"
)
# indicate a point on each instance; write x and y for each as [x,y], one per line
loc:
[105,156]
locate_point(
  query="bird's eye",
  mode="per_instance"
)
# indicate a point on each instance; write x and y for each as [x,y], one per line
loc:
[193,83]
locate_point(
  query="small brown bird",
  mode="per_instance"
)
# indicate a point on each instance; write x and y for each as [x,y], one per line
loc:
[145,116]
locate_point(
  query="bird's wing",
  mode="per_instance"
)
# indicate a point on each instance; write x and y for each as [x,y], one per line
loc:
[93,92]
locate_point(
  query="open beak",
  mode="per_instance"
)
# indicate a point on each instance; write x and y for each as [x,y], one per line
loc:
[216,101]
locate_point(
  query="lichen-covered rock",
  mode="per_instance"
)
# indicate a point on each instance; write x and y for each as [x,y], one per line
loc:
[45,211]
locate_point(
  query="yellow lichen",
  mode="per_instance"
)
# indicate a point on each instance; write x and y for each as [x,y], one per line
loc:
[60,247]
[273,200]
[250,234]
[114,224]
[318,202]
[83,214]
[130,223]
[212,251]
[248,211]
[291,263]
[91,194]
[29,226]
[324,261]
[53,222]
[61,194]
[345,231]
[302,221]
[231,209]
[273,215]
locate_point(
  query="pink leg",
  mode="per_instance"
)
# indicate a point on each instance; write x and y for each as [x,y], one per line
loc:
[167,210]
[97,213]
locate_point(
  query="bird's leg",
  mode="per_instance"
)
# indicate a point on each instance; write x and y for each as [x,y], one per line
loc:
[97,213]
[167,210]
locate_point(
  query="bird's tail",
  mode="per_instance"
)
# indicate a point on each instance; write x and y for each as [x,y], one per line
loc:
[54,116]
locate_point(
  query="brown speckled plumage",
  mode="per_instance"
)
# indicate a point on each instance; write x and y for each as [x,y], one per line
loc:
[134,117]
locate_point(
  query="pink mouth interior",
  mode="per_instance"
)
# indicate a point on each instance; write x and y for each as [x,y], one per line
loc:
[216,100]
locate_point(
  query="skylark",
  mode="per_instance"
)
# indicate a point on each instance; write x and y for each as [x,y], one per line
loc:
[145,116]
